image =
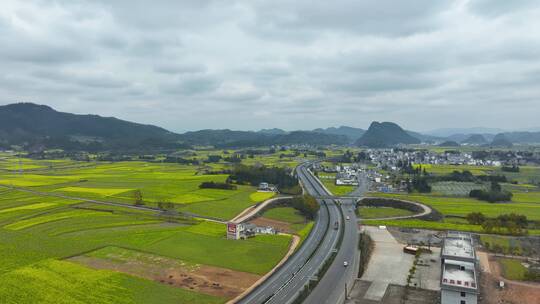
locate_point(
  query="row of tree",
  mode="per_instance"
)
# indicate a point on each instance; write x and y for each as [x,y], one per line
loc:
[515,224]
[217,185]
[494,194]
[306,204]
[254,175]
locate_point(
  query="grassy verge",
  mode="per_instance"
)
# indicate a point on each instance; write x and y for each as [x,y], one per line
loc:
[512,269]
[381,212]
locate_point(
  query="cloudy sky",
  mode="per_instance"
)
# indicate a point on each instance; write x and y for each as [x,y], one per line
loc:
[302,64]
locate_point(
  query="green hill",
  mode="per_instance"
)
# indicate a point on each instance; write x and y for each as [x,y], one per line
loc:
[385,134]
[32,124]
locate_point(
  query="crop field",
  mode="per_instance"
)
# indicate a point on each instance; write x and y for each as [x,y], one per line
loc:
[40,232]
[456,188]
[328,180]
[447,169]
[444,225]
[526,175]
[117,182]
[461,206]
[455,208]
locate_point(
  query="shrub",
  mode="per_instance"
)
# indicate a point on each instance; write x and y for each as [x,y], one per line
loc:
[215,185]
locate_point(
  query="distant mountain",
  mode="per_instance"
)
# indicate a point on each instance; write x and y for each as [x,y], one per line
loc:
[210,137]
[446,132]
[273,131]
[385,134]
[449,143]
[475,139]
[228,138]
[523,137]
[500,140]
[352,134]
[462,137]
[32,124]
[309,137]
[425,138]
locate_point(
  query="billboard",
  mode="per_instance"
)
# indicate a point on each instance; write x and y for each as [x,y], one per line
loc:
[231,227]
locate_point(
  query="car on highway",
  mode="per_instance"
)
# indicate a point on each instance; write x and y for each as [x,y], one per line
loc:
[348,217]
[345,264]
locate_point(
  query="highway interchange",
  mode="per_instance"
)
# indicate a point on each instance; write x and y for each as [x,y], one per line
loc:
[299,271]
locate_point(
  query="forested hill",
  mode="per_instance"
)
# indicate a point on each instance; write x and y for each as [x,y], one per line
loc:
[385,134]
[352,134]
[30,125]
[39,124]
[229,138]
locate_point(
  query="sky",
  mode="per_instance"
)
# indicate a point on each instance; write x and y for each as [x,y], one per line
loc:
[303,64]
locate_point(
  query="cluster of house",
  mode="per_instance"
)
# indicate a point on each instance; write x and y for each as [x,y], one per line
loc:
[390,158]
[242,231]
[266,187]
[347,175]
[459,280]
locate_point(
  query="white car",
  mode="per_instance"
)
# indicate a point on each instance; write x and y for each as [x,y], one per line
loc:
[348,218]
[345,264]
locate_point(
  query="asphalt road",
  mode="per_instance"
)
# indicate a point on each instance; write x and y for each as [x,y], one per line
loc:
[331,288]
[285,284]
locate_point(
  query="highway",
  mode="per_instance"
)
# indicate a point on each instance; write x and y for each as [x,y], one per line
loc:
[331,288]
[284,285]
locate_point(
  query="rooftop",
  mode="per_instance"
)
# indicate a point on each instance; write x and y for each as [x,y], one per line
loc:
[458,245]
[459,274]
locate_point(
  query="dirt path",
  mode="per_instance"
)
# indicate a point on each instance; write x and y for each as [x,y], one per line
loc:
[253,210]
[484,261]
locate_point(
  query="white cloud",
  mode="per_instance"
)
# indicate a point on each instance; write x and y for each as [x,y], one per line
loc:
[199,64]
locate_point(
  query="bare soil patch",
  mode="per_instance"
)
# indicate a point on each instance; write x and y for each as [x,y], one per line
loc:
[513,292]
[278,225]
[205,279]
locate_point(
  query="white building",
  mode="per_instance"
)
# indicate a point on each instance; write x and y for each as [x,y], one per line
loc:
[459,282]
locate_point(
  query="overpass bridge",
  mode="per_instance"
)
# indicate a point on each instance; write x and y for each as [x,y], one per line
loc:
[334,197]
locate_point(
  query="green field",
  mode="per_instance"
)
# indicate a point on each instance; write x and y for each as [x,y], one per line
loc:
[328,180]
[446,169]
[456,188]
[284,214]
[299,225]
[381,212]
[525,203]
[39,231]
[456,208]
[117,182]
[527,174]
[513,269]
[52,281]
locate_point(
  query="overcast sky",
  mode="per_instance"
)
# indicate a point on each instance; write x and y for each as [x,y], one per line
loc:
[194,64]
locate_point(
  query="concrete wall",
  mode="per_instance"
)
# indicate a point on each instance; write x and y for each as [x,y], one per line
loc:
[454,297]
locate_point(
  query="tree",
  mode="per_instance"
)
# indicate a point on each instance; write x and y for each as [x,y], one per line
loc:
[138,197]
[495,187]
[476,218]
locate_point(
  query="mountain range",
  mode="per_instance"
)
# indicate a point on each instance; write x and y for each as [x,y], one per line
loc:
[30,125]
